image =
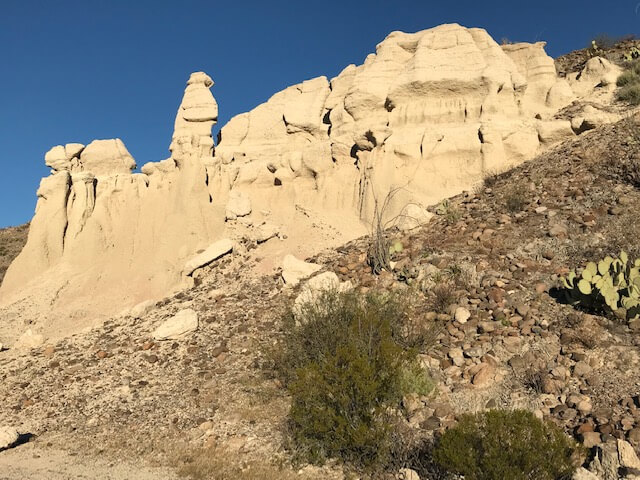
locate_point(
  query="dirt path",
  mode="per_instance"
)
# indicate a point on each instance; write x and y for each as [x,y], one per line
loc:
[31,462]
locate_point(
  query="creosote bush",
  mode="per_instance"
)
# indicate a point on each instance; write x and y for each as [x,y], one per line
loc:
[347,361]
[507,445]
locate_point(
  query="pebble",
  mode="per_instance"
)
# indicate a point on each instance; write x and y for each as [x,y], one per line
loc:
[581,369]
[462,315]
[590,439]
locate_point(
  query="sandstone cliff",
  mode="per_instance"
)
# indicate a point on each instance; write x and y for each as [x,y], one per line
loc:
[428,115]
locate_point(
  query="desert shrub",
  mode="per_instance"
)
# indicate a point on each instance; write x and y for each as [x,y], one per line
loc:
[629,83]
[347,360]
[415,379]
[506,445]
[515,200]
[442,296]
[449,211]
[626,78]
[630,93]
[490,179]
[605,41]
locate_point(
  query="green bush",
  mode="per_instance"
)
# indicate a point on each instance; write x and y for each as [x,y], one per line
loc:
[414,379]
[629,83]
[630,93]
[506,445]
[347,360]
[626,78]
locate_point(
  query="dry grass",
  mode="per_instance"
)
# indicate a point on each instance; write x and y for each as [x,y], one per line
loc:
[218,464]
[12,239]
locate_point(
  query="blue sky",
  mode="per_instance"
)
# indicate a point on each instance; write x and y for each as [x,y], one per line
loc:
[73,71]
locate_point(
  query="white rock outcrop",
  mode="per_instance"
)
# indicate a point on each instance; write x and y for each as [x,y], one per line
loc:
[413,216]
[8,437]
[104,238]
[294,270]
[426,116]
[178,326]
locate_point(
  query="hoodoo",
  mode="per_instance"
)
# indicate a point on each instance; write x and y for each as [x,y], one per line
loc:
[428,115]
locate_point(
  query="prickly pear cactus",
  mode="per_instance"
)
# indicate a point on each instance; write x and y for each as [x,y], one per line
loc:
[611,284]
[396,247]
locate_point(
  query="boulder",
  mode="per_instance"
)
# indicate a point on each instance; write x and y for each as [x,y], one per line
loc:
[413,216]
[265,231]
[408,474]
[612,458]
[8,437]
[627,455]
[178,326]
[295,270]
[213,252]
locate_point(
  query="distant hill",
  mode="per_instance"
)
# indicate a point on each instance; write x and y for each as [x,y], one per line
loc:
[12,239]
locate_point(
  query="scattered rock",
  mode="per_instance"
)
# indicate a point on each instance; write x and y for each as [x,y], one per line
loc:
[484,376]
[462,315]
[590,439]
[265,232]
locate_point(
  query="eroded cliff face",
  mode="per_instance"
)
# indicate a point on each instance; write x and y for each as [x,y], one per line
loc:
[103,237]
[428,115]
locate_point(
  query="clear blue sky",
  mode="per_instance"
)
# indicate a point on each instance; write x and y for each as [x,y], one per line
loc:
[76,70]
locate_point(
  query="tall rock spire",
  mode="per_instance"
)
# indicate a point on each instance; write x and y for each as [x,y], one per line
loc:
[197,114]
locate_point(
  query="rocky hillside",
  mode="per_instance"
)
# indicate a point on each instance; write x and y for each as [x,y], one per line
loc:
[12,239]
[616,51]
[487,269]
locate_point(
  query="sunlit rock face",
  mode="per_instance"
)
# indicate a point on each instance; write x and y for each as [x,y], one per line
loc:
[426,116]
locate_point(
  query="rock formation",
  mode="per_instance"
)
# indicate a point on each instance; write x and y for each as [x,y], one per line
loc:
[104,238]
[426,116]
